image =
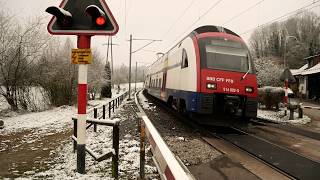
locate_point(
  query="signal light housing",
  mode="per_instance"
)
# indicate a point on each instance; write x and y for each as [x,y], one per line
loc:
[98,16]
[64,18]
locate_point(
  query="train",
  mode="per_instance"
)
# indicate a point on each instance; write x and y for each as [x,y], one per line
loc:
[209,72]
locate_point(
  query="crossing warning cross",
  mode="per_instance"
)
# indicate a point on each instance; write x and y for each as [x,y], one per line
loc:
[79,17]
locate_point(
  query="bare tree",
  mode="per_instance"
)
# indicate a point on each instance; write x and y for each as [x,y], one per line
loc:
[58,74]
[95,74]
[270,40]
[20,50]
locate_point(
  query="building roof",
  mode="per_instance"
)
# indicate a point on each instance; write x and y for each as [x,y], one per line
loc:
[312,56]
[296,72]
[313,70]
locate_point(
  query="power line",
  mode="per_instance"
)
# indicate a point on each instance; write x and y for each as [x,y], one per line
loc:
[200,17]
[213,6]
[152,41]
[125,18]
[241,13]
[178,19]
[285,15]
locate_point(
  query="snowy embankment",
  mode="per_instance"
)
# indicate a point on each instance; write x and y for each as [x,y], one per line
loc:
[3,104]
[279,116]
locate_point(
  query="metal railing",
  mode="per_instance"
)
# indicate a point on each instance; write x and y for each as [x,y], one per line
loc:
[96,120]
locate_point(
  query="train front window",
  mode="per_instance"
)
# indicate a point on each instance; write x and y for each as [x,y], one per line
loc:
[223,54]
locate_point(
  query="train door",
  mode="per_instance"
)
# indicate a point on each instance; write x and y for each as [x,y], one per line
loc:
[163,94]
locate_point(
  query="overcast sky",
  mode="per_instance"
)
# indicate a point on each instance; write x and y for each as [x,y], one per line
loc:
[169,20]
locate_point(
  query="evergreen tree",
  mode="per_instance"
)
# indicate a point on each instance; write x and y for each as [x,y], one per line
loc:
[106,87]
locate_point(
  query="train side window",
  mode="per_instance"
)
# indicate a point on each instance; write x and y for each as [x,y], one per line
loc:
[184,62]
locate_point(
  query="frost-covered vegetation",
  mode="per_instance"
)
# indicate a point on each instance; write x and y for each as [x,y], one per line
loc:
[268,71]
[35,67]
[296,38]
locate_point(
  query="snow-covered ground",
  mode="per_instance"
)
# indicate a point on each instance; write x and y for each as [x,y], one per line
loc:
[100,142]
[64,165]
[279,116]
[57,118]
[3,104]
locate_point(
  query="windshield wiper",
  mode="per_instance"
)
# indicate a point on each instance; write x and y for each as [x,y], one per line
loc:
[245,75]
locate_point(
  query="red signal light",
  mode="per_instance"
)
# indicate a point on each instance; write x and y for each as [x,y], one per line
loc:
[100,21]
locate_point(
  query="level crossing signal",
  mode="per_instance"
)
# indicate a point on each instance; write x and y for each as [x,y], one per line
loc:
[78,17]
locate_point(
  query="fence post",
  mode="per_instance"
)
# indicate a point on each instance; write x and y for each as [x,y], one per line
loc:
[142,148]
[104,112]
[113,106]
[75,135]
[300,112]
[110,109]
[95,116]
[115,157]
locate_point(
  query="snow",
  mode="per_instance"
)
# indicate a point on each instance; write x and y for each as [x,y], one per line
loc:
[100,142]
[299,71]
[312,70]
[64,164]
[3,104]
[126,85]
[279,117]
[56,118]
[143,101]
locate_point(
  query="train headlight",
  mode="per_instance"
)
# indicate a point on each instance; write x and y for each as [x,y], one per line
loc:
[211,86]
[249,89]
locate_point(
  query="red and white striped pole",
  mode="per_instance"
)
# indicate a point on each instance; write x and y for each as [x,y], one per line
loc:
[286,96]
[286,83]
[83,43]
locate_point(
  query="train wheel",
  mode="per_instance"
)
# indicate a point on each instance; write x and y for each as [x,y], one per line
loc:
[182,107]
[170,101]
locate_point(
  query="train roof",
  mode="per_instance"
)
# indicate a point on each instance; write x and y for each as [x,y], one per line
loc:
[209,28]
[200,30]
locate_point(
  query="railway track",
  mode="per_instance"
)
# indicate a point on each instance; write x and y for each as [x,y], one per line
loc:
[285,160]
[288,163]
[288,128]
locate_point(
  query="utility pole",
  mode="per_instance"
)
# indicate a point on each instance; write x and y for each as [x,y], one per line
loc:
[130,54]
[109,43]
[286,83]
[135,79]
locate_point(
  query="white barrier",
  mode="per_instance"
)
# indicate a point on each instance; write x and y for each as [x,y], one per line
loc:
[311,107]
[168,166]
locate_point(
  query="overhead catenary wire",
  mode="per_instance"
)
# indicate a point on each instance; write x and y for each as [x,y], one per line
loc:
[295,12]
[242,12]
[199,18]
[178,19]
[144,46]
